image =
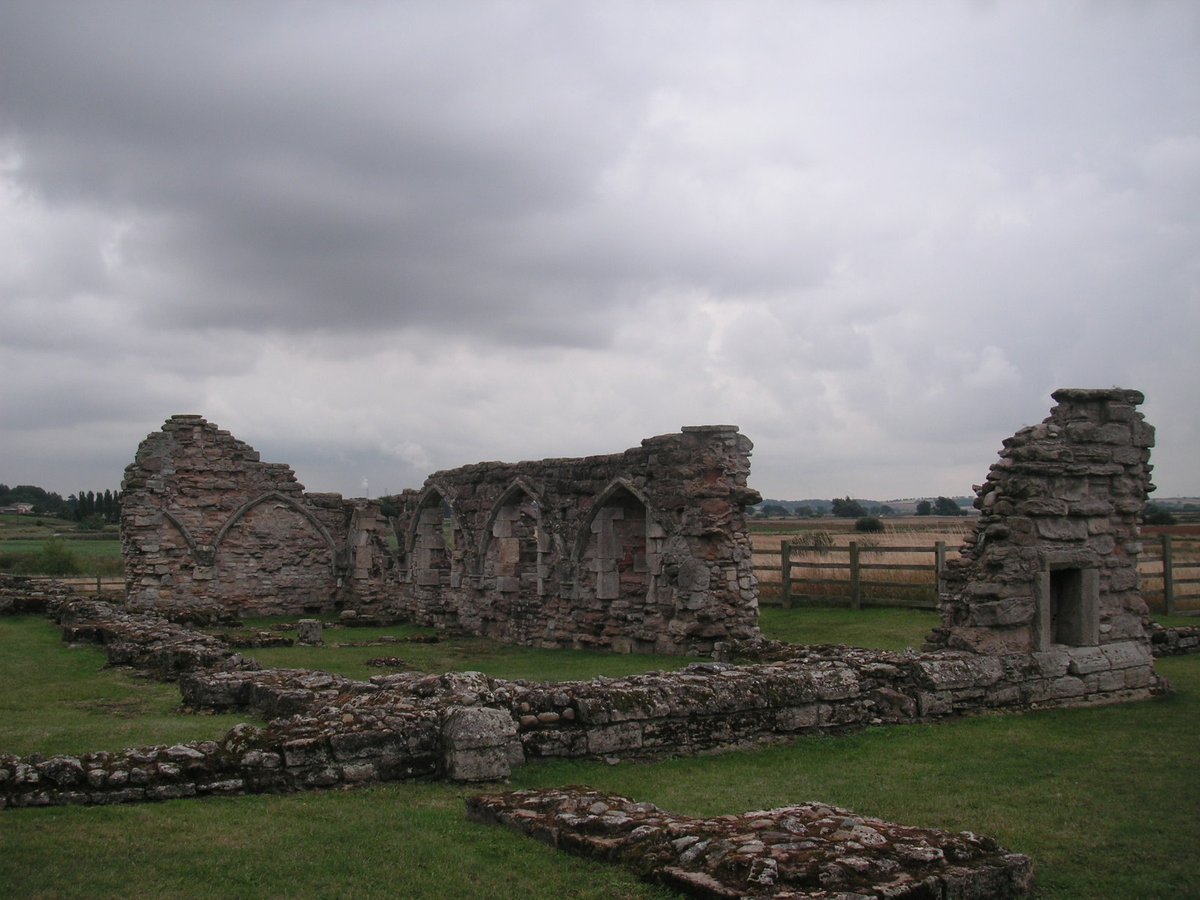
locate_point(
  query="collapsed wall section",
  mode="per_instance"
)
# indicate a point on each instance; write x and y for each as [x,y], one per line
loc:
[1052,561]
[207,525]
[641,551]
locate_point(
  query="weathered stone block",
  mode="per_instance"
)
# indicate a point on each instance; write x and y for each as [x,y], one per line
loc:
[1086,660]
[478,743]
[1008,611]
[1128,655]
[797,718]
[614,739]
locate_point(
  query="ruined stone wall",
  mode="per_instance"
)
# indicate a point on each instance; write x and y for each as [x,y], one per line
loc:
[334,731]
[644,550]
[641,551]
[1052,561]
[206,524]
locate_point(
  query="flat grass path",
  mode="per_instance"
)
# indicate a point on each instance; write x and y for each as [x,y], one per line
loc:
[1106,800]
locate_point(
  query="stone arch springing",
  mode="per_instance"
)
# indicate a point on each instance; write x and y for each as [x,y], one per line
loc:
[619,546]
[514,543]
[287,501]
[436,542]
[201,555]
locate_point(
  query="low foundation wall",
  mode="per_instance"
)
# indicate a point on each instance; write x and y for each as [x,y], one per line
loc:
[466,726]
[811,850]
[1177,641]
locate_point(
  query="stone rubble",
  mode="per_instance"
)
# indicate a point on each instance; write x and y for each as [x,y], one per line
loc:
[810,850]
[640,551]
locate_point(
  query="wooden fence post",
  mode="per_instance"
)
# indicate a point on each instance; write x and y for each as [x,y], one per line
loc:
[855,584]
[1168,575]
[939,568]
[785,572]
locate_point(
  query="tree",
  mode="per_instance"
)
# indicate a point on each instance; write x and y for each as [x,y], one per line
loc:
[804,512]
[886,510]
[869,524]
[924,508]
[846,508]
[944,506]
[1156,515]
[772,510]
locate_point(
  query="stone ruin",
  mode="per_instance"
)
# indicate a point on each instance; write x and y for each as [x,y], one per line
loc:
[1052,562]
[641,551]
[208,528]
[645,550]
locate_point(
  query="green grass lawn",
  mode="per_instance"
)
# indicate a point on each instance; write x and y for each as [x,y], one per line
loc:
[60,699]
[1106,800]
[458,654]
[881,629]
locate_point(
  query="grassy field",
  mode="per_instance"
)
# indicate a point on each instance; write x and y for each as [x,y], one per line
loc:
[38,545]
[60,699]
[1106,800]
[458,654]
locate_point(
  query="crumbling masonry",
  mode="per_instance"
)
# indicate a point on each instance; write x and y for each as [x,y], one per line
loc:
[1052,562]
[641,551]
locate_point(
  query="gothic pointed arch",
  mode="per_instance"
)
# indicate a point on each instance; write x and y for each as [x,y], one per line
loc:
[618,547]
[286,501]
[612,493]
[201,555]
[435,541]
[514,541]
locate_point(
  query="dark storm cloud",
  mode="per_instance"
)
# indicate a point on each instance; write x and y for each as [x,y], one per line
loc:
[875,235]
[286,168]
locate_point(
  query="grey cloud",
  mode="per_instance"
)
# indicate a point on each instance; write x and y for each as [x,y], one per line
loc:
[868,233]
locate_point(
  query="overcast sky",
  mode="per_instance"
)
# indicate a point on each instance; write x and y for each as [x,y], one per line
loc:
[378,239]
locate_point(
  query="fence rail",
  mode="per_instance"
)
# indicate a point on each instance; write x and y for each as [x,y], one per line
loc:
[85,584]
[857,586]
[1175,563]
[1169,566]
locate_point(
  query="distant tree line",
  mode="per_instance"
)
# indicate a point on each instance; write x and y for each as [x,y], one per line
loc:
[849,508]
[942,506]
[95,508]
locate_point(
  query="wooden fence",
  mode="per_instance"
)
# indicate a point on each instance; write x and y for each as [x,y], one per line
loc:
[857,575]
[861,575]
[1170,570]
[86,584]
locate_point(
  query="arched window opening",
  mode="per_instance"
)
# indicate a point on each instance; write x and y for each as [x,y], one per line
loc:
[616,552]
[437,543]
[513,552]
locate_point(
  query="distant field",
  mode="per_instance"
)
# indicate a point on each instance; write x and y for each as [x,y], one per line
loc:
[109,548]
[41,545]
